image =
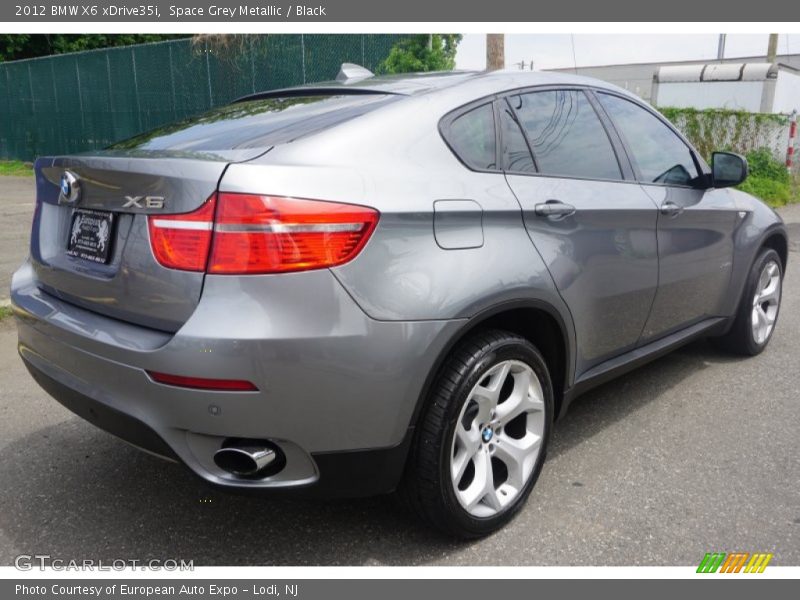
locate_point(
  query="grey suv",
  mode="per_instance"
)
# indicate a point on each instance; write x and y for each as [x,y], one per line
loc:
[384,284]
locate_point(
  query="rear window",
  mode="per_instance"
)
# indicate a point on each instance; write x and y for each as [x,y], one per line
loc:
[256,123]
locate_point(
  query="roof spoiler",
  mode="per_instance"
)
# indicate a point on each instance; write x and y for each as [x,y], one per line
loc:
[348,73]
[323,90]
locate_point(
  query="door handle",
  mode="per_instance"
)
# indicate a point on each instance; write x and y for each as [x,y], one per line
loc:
[671,209]
[553,208]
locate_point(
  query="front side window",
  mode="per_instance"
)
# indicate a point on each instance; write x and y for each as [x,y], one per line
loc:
[566,135]
[659,154]
[472,138]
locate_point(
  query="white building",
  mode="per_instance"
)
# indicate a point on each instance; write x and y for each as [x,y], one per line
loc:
[638,78]
[752,87]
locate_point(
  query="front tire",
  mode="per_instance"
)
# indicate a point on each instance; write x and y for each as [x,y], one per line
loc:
[759,306]
[482,438]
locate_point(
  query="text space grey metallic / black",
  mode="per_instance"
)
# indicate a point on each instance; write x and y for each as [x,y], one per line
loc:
[383,284]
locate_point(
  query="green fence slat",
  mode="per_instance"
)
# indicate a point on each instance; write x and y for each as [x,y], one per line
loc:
[87,100]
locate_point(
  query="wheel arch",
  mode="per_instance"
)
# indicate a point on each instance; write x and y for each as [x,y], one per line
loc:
[778,242]
[748,244]
[537,321]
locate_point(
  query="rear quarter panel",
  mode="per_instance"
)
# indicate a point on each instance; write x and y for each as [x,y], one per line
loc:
[395,160]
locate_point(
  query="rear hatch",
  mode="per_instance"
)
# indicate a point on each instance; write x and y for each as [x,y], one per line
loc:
[90,242]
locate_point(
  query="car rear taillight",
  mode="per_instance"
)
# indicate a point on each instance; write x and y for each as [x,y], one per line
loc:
[253,234]
[182,241]
[268,234]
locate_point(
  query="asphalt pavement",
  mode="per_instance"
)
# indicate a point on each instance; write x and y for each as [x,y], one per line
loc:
[696,452]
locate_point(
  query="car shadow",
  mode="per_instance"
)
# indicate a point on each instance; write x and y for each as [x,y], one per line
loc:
[74,492]
[603,406]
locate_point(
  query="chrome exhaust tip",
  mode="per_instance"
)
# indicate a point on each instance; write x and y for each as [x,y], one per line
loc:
[245,460]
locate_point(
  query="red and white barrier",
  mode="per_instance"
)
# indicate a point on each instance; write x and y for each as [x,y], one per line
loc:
[792,137]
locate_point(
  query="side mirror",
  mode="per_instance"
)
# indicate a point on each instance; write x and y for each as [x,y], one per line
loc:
[728,169]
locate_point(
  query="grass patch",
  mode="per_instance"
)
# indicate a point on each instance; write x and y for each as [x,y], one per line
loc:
[770,191]
[5,312]
[15,168]
[769,180]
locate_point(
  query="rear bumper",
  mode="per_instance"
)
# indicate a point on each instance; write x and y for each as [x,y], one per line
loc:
[340,474]
[101,415]
[337,390]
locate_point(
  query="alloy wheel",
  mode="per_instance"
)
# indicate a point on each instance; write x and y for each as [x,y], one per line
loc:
[497,439]
[766,302]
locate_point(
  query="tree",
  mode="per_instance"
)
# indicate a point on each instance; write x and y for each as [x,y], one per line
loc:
[17,46]
[424,52]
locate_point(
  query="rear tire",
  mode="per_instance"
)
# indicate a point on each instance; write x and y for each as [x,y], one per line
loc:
[759,306]
[482,438]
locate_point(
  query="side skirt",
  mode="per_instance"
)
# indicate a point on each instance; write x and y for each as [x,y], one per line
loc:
[624,363]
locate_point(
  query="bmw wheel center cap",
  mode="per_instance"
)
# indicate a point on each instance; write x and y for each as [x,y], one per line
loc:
[487,434]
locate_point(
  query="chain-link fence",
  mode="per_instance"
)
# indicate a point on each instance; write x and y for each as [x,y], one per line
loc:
[87,100]
[737,131]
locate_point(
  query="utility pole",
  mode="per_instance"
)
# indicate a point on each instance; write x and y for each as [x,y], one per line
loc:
[721,46]
[495,51]
[772,48]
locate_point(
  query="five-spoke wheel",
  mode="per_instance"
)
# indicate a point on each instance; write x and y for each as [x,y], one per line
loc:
[766,301]
[754,322]
[497,438]
[482,439]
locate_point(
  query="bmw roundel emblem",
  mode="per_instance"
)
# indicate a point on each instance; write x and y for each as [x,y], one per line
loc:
[70,188]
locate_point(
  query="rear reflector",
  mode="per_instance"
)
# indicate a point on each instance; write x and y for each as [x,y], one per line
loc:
[200,383]
[253,234]
[182,241]
[268,234]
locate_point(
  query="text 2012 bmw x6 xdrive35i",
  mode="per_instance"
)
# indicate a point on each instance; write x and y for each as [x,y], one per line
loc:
[386,284]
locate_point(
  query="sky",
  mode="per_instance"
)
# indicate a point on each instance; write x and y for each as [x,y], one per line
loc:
[552,51]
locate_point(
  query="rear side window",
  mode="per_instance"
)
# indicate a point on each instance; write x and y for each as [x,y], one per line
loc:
[660,155]
[472,137]
[566,135]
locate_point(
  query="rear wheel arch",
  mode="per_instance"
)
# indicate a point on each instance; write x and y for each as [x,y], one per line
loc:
[537,321]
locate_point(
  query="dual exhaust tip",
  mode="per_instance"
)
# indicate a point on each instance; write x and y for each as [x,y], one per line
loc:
[249,458]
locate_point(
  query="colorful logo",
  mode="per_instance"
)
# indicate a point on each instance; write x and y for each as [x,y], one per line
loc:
[735,562]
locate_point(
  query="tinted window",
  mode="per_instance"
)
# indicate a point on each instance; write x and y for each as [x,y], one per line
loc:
[566,135]
[472,137]
[516,155]
[660,155]
[255,124]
